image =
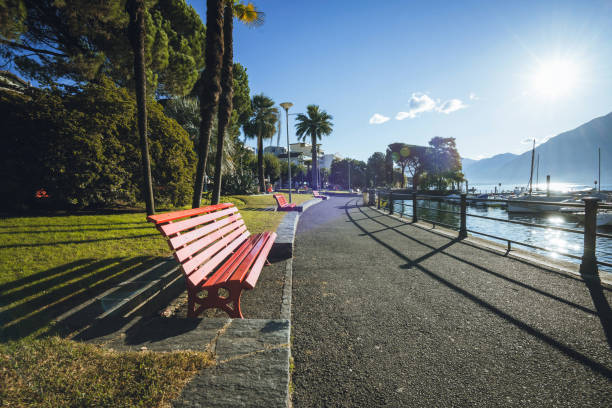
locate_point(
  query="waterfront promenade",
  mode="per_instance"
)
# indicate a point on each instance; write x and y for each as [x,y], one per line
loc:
[386,313]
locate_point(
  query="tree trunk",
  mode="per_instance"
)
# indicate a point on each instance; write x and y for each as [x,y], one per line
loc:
[260,164]
[209,93]
[136,32]
[403,176]
[315,165]
[225,102]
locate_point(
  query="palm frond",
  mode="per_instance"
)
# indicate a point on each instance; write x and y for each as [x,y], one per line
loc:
[248,14]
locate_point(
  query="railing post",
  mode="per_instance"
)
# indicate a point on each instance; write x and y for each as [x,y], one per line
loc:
[414,208]
[463,228]
[589,259]
[378,195]
[390,202]
[371,196]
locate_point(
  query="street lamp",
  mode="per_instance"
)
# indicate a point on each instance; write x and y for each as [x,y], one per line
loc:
[286,106]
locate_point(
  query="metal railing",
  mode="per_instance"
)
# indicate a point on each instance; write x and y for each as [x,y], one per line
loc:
[590,206]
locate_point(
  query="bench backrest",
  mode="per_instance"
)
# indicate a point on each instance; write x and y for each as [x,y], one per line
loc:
[280,199]
[201,238]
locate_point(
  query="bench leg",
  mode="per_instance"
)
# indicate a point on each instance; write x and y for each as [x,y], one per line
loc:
[196,305]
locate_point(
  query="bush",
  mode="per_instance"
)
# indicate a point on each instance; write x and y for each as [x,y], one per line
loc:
[83,149]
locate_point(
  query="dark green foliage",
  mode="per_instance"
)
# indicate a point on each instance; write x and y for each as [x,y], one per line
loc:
[375,171]
[272,167]
[80,41]
[239,183]
[442,163]
[241,101]
[409,158]
[340,173]
[83,149]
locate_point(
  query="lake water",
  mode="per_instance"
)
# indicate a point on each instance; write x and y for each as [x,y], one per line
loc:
[559,241]
[557,187]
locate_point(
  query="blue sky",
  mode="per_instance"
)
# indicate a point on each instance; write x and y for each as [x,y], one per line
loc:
[484,72]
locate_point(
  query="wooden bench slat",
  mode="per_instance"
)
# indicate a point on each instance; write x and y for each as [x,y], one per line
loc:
[178,226]
[251,278]
[192,264]
[246,264]
[200,274]
[207,241]
[175,215]
[226,270]
[216,250]
[180,240]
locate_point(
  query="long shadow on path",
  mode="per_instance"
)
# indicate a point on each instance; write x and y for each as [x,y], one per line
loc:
[568,351]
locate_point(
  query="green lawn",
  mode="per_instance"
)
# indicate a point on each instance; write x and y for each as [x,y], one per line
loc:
[49,264]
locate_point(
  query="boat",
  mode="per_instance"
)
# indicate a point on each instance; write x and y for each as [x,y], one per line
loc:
[520,203]
[453,198]
[604,218]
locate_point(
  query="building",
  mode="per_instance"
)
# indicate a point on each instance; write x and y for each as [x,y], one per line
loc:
[276,150]
[326,160]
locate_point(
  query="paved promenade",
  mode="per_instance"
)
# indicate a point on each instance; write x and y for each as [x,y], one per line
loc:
[391,314]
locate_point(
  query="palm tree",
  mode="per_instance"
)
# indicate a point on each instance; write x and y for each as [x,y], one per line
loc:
[136,33]
[315,125]
[211,87]
[261,125]
[248,15]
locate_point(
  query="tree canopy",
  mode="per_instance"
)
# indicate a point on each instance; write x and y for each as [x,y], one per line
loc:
[77,41]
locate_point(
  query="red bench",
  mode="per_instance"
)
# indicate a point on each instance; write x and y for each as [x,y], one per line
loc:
[283,205]
[218,255]
[316,194]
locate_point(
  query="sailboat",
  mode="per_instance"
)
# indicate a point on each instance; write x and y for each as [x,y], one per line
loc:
[518,204]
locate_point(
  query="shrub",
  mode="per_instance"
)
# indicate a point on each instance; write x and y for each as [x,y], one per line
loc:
[83,149]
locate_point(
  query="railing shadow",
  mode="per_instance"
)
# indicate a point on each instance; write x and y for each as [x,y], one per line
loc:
[604,312]
[570,352]
[33,308]
[483,269]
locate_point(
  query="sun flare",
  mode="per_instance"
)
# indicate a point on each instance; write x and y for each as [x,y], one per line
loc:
[555,78]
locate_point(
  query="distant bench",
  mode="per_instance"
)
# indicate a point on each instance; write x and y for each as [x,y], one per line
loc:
[283,205]
[316,194]
[217,254]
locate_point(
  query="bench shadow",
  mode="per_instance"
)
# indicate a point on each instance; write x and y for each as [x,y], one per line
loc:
[568,351]
[76,229]
[83,241]
[33,304]
[258,209]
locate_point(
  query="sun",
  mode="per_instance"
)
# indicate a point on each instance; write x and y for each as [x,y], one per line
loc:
[555,78]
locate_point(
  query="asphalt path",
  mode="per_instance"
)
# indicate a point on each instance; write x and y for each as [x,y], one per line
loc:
[391,314]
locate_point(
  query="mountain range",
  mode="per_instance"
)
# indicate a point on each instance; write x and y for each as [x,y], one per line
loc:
[569,157]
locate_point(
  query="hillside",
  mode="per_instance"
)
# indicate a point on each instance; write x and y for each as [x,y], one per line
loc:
[568,157]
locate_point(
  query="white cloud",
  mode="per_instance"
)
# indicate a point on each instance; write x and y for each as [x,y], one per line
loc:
[451,105]
[377,119]
[473,97]
[418,103]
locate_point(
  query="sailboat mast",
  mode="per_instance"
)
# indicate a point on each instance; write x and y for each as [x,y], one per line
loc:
[538,172]
[531,174]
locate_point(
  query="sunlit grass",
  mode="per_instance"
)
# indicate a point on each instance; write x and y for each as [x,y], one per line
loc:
[49,264]
[54,372]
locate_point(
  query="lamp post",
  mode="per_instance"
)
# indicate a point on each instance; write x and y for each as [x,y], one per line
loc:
[286,106]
